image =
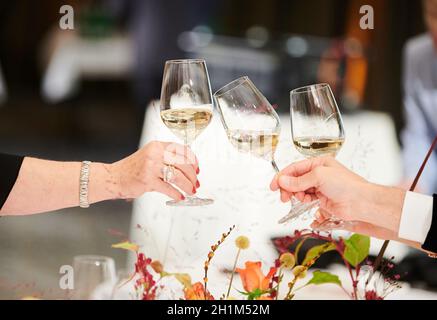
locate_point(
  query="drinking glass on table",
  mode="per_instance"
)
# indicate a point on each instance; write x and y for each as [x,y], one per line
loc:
[94,277]
[124,287]
[317,130]
[186,108]
[251,123]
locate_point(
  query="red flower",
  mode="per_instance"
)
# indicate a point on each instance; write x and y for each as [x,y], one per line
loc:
[372,295]
[142,263]
[145,283]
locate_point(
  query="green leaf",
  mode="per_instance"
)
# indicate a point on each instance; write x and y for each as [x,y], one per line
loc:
[183,278]
[127,246]
[296,251]
[318,251]
[254,295]
[320,277]
[357,249]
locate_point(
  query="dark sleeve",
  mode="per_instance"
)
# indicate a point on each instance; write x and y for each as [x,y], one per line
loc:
[9,169]
[431,239]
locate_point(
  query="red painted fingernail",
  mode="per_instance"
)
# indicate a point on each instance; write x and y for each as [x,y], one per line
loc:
[194,190]
[197,170]
[197,184]
[182,197]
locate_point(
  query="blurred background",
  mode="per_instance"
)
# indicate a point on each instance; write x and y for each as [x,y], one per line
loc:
[82,94]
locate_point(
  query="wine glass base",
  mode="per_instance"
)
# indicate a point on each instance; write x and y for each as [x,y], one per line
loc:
[299,211]
[334,224]
[190,202]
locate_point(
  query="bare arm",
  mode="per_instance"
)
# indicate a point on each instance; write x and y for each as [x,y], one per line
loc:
[44,185]
[49,185]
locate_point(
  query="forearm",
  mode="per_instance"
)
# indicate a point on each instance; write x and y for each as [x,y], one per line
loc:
[382,206]
[44,186]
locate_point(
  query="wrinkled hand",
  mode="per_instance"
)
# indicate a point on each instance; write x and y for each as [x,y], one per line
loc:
[142,171]
[342,193]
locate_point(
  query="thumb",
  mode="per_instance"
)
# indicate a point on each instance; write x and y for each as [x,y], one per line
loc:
[298,184]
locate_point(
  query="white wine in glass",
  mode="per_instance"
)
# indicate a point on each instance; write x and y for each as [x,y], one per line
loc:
[187,123]
[259,143]
[251,123]
[186,107]
[318,146]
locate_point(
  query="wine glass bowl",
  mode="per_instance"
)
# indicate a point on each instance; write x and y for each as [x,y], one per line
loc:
[186,107]
[92,275]
[316,123]
[251,123]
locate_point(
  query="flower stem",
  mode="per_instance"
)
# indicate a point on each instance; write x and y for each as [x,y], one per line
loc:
[279,282]
[233,272]
[289,295]
[349,268]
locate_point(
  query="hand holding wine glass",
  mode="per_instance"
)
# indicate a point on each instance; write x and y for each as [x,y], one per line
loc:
[375,210]
[317,130]
[186,109]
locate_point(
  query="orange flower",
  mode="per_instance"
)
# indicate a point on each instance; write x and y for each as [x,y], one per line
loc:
[197,292]
[253,277]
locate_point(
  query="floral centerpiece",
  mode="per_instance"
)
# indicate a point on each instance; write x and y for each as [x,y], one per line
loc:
[289,270]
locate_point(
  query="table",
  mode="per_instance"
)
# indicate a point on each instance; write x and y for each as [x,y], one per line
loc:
[74,58]
[239,183]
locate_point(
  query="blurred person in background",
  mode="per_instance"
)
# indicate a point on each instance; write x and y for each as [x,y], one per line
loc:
[420,85]
[155,26]
[30,186]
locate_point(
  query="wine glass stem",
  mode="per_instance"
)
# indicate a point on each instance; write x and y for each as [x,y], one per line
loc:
[187,144]
[275,166]
[293,199]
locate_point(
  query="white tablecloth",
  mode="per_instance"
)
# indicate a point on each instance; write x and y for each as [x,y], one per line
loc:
[181,237]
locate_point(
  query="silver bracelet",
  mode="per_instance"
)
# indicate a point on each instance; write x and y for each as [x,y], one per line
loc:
[83,187]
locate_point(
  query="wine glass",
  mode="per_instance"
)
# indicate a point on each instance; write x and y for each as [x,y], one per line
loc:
[124,287]
[94,276]
[251,123]
[317,130]
[186,107]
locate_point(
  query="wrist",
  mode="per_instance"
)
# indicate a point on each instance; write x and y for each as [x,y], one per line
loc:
[384,206]
[103,183]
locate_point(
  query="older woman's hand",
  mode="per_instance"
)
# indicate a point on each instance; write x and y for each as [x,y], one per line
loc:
[143,171]
[44,185]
